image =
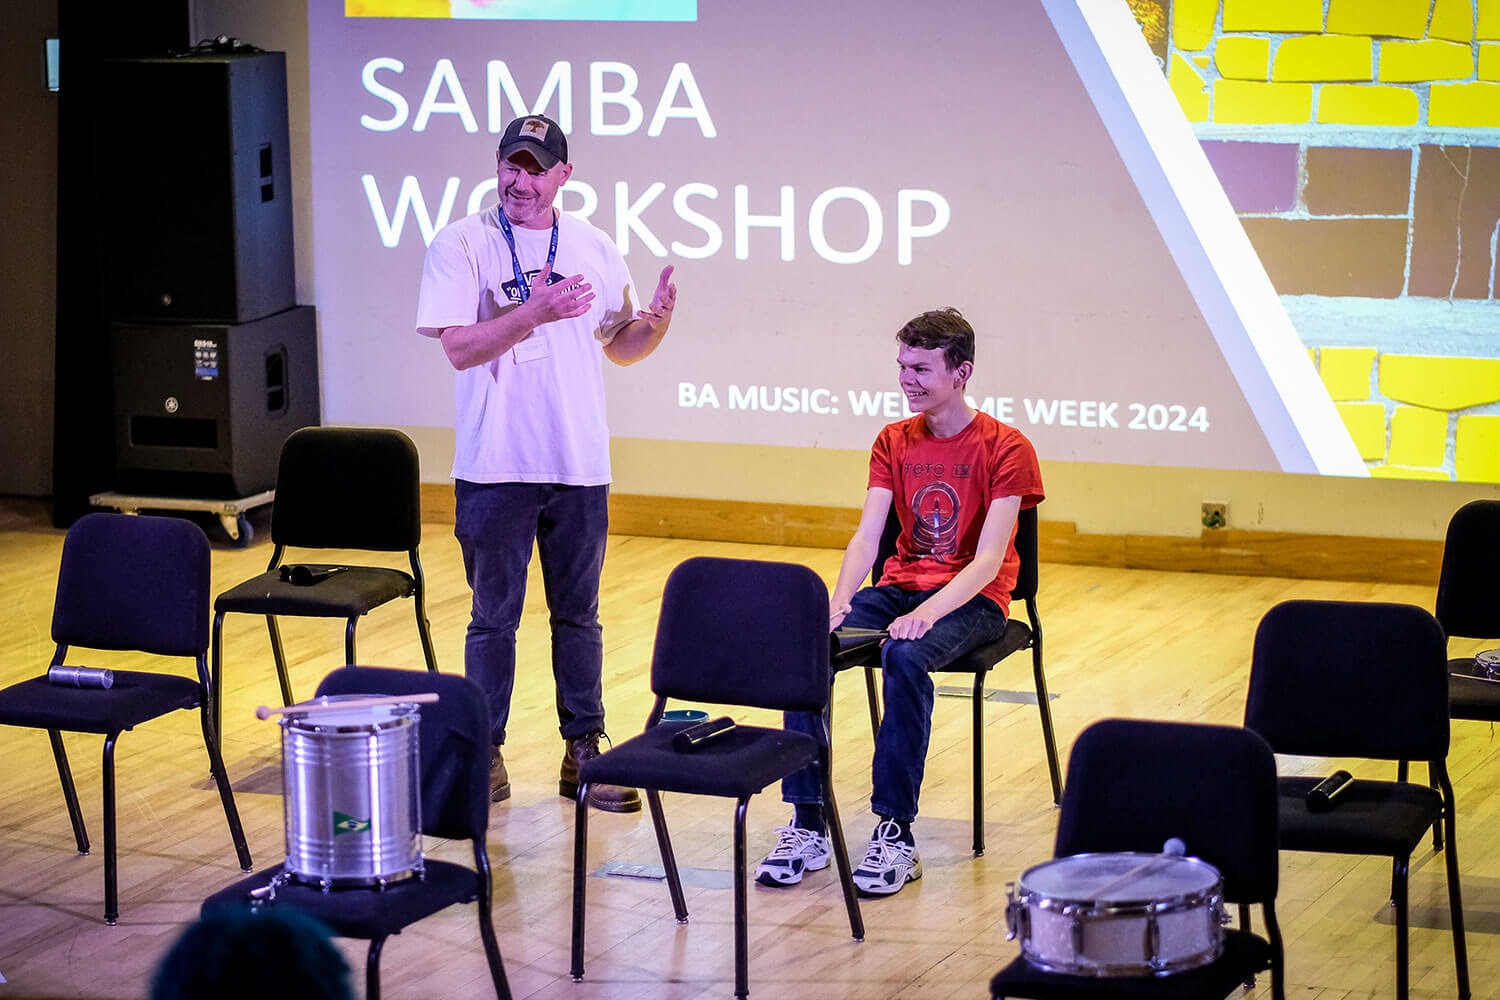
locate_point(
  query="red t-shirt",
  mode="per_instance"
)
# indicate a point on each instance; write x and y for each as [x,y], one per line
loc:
[943,487]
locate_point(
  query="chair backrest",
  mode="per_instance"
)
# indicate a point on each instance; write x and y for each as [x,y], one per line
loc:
[1346,679]
[741,632]
[348,488]
[137,583]
[1466,602]
[454,743]
[1133,784]
[1025,588]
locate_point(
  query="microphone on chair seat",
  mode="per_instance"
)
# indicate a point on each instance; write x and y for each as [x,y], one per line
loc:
[1324,795]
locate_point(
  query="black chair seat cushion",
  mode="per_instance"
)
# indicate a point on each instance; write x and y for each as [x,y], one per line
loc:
[1472,697]
[1370,817]
[1244,953]
[736,765]
[134,698]
[358,911]
[978,660]
[348,594]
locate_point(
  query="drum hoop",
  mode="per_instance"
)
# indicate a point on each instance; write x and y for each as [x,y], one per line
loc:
[1089,909]
[1114,969]
[1160,904]
[394,717]
[416,870]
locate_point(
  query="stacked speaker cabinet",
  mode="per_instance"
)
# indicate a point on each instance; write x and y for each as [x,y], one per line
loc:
[214,365]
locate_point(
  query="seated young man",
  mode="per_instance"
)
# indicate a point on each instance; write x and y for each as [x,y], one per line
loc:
[958,478]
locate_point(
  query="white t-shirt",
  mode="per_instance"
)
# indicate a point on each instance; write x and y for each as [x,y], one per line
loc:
[536,413]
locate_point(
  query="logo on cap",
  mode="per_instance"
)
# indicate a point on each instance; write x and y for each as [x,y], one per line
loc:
[533,128]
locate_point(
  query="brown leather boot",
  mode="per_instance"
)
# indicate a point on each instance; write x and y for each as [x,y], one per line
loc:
[499,777]
[610,798]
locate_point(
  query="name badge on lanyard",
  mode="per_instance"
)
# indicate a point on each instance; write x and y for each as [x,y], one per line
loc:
[534,347]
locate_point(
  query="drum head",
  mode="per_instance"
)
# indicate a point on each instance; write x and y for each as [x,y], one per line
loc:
[360,719]
[1119,878]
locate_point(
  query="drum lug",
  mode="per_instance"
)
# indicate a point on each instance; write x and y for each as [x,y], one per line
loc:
[1017,916]
[1153,944]
[1071,911]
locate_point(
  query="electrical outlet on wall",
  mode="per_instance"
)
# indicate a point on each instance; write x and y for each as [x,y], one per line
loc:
[1215,514]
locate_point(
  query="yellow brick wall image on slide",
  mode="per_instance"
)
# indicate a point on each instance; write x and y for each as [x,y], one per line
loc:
[1359,145]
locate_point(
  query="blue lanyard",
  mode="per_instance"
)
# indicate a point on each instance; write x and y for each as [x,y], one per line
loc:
[522,288]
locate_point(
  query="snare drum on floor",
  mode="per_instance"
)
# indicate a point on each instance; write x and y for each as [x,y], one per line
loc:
[1122,914]
[352,787]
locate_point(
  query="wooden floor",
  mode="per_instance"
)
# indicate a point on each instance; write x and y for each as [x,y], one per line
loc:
[1120,643]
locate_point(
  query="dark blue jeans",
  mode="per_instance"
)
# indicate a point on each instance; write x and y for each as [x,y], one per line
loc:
[496,524]
[906,666]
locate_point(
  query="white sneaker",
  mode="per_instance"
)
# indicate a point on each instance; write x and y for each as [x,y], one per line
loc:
[889,863]
[796,851]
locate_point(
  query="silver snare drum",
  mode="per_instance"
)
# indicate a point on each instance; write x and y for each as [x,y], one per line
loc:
[351,781]
[1118,914]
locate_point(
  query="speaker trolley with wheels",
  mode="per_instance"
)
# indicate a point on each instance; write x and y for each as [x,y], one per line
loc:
[231,513]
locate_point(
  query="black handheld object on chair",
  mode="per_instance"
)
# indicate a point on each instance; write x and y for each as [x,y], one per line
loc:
[303,575]
[697,736]
[1325,794]
[844,640]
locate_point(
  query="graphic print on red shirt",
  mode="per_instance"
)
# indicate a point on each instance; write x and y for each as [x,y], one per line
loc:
[943,487]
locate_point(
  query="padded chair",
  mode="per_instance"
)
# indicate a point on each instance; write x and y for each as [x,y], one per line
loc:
[1132,785]
[336,488]
[454,757]
[1018,635]
[126,583]
[739,633]
[1349,680]
[1466,604]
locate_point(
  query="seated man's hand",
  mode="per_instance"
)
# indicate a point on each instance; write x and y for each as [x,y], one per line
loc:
[910,626]
[837,617]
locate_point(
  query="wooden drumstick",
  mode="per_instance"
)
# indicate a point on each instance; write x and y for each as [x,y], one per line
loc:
[1173,848]
[420,698]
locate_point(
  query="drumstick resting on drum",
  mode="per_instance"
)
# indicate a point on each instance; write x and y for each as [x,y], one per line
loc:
[418,698]
[1173,848]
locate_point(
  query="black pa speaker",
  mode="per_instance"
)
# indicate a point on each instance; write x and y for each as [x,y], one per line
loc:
[201,410]
[194,178]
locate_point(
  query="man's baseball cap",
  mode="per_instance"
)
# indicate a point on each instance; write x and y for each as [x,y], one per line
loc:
[538,135]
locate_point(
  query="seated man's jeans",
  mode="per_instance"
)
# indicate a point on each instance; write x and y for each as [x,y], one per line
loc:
[906,666]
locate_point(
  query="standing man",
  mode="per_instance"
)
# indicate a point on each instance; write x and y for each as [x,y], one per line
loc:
[958,478]
[524,300]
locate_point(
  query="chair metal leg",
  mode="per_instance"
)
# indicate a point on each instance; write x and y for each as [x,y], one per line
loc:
[280,657]
[1278,955]
[1437,828]
[1044,708]
[419,602]
[841,858]
[216,673]
[1244,925]
[349,656]
[1403,946]
[425,631]
[580,859]
[741,904]
[372,969]
[668,859]
[485,901]
[978,765]
[1455,894]
[874,698]
[226,793]
[111,873]
[70,793]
